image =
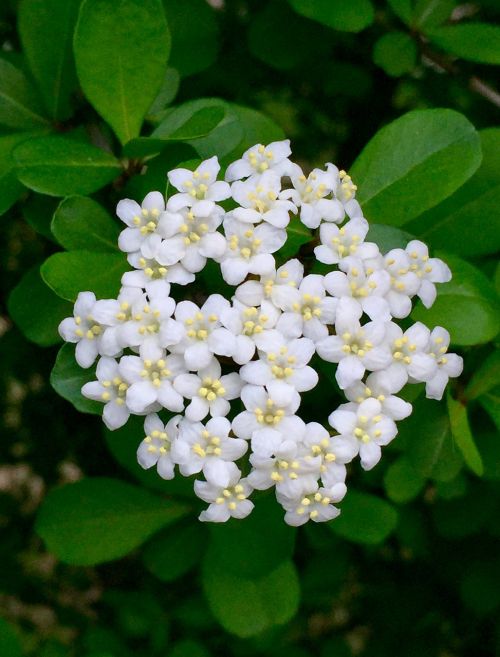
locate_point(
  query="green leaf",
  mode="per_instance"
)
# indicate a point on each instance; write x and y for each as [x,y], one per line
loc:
[431,13]
[20,106]
[255,547]
[37,310]
[46,30]
[167,92]
[485,378]
[351,16]
[67,378]
[247,607]
[10,645]
[256,128]
[81,223]
[429,444]
[402,482]
[188,648]
[121,52]
[365,518]
[59,166]
[462,435]
[10,187]
[97,520]
[173,553]
[195,43]
[467,306]
[479,587]
[70,273]
[297,236]
[476,42]
[396,53]
[388,237]
[38,211]
[397,171]
[403,9]
[467,223]
[491,403]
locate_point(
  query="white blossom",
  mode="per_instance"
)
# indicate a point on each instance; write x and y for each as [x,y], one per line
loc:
[409,352]
[142,220]
[112,314]
[149,267]
[259,199]
[333,452]
[404,283]
[338,243]
[109,389]
[382,385]
[259,158]
[201,184]
[309,195]
[448,365]
[83,330]
[156,448]
[429,270]
[316,504]
[225,501]
[273,285]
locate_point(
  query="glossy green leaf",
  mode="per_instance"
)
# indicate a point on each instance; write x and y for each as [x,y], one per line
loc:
[428,14]
[364,518]
[195,43]
[477,42]
[71,272]
[248,607]
[491,403]
[67,378]
[388,237]
[256,128]
[485,378]
[20,105]
[46,29]
[10,644]
[345,16]
[38,211]
[10,187]
[402,482]
[80,222]
[468,223]
[121,52]
[97,520]
[167,92]
[59,166]
[396,172]
[36,310]
[467,306]
[462,435]
[396,53]
[175,552]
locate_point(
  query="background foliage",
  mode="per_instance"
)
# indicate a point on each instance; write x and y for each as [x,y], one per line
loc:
[98,99]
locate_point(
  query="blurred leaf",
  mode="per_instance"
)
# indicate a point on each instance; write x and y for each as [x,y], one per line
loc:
[402,482]
[255,547]
[428,442]
[10,644]
[36,310]
[476,42]
[195,43]
[479,586]
[488,443]
[100,519]
[247,607]
[167,93]
[256,128]
[491,403]
[297,236]
[80,222]
[396,53]
[67,272]
[121,52]
[467,223]
[485,378]
[59,166]
[67,378]
[462,435]
[403,9]
[351,16]
[46,30]
[365,518]
[468,515]
[467,306]
[431,13]
[173,553]
[38,211]
[20,106]
[188,648]
[396,172]
[10,187]
[388,237]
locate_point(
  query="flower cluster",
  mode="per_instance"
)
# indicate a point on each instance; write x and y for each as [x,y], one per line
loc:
[194,360]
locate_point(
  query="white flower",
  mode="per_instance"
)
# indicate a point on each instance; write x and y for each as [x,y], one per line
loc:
[150,321]
[282,360]
[404,283]
[307,310]
[201,184]
[345,189]
[149,267]
[448,365]
[315,504]
[333,451]
[259,158]
[429,270]
[83,329]
[150,376]
[225,501]
[249,249]
[110,389]
[260,199]
[272,285]
[203,333]
[368,425]
[338,243]
[367,290]
[209,391]
[382,386]
[112,315]
[156,448]
[409,352]
[142,221]
[309,194]
[208,448]
[355,348]
[197,238]
[272,407]
[249,325]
